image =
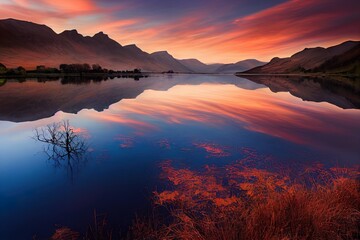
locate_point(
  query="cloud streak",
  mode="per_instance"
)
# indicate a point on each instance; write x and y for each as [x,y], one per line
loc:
[213,31]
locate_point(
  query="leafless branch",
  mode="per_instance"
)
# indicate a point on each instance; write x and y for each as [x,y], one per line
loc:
[63,143]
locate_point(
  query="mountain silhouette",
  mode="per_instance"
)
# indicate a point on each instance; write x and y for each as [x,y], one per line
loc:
[316,60]
[29,44]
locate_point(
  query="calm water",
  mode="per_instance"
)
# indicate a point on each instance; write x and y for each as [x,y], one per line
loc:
[132,127]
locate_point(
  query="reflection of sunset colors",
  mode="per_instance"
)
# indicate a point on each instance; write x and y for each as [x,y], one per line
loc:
[279,115]
[126,142]
[214,150]
[240,28]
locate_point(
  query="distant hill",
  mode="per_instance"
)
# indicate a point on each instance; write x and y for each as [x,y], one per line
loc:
[165,59]
[342,58]
[198,66]
[239,66]
[29,45]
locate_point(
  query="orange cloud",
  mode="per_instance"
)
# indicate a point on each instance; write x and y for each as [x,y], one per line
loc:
[71,6]
[280,30]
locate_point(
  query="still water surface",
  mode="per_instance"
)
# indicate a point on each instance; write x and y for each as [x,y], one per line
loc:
[132,127]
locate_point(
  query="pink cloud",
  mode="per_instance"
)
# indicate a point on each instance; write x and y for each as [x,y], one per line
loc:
[280,30]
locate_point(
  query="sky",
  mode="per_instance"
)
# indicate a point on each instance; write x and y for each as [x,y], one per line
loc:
[213,31]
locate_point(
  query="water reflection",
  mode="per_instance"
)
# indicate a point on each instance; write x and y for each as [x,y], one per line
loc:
[202,123]
[36,99]
[321,126]
[341,91]
[32,100]
[65,146]
[2,82]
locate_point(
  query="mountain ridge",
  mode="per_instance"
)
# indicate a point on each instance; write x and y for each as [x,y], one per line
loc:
[27,44]
[312,60]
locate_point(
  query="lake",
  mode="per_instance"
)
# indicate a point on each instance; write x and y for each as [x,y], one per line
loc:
[132,128]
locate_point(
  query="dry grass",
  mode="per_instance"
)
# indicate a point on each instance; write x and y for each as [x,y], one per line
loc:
[256,204]
[251,204]
[326,212]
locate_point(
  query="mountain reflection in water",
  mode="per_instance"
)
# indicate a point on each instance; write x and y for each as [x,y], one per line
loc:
[32,100]
[341,91]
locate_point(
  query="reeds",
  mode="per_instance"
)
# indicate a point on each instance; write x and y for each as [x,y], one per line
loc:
[251,204]
[267,206]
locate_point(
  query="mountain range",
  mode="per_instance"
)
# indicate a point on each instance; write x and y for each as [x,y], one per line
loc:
[29,45]
[343,58]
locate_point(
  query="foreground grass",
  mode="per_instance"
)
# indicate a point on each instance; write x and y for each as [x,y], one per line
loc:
[323,212]
[252,204]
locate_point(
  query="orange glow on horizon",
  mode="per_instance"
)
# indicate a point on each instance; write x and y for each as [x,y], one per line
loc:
[278,31]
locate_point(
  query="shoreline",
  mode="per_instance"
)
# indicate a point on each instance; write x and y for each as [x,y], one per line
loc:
[146,74]
[59,75]
[298,74]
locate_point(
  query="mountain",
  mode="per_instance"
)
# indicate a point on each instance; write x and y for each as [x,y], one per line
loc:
[239,66]
[313,60]
[29,45]
[348,62]
[165,59]
[199,67]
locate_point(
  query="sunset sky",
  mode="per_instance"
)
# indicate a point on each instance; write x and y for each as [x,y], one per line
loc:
[210,30]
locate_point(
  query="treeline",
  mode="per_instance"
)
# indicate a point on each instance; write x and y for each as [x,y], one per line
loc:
[65,69]
[95,68]
[11,71]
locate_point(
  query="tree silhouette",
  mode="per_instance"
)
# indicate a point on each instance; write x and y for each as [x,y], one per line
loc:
[2,68]
[96,68]
[63,144]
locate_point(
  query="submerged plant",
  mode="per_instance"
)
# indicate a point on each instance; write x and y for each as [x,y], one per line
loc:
[250,203]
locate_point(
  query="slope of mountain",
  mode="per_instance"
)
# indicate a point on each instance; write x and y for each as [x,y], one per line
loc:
[239,66]
[307,60]
[29,45]
[197,66]
[165,59]
[348,62]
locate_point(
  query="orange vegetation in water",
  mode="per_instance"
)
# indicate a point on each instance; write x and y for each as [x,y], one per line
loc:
[243,202]
[65,233]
